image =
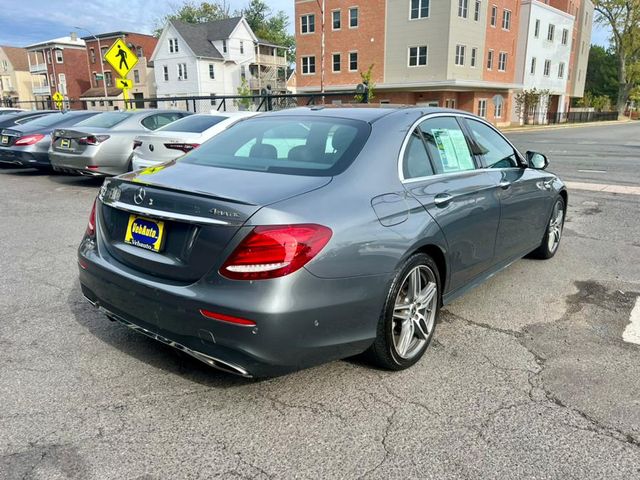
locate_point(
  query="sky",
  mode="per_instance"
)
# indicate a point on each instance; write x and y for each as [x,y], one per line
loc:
[33,21]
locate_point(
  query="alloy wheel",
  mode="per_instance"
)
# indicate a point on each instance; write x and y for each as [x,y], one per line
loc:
[555,227]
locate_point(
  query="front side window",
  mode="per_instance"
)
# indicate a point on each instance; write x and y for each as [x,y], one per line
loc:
[447,145]
[417,56]
[460,51]
[292,145]
[419,9]
[463,8]
[308,65]
[506,20]
[416,163]
[353,17]
[353,61]
[495,150]
[337,20]
[308,23]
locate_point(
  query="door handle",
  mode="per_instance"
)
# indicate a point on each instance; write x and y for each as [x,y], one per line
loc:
[442,199]
[504,185]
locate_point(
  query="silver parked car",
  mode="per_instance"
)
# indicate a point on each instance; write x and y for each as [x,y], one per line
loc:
[181,137]
[102,145]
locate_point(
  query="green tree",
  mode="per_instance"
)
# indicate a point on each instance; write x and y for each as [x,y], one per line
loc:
[270,26]
[192,12]
[602,73]
[367,79]
[623,19]
[244,91]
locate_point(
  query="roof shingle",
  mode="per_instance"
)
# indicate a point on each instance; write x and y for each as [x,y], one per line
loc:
[200,35]
[17,57]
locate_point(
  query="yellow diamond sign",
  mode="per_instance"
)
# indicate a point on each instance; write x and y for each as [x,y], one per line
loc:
[57,97]
[121,58]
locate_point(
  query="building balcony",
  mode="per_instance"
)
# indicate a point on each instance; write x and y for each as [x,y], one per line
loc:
[271,60]
[42,90]
[38,68]
[257,84]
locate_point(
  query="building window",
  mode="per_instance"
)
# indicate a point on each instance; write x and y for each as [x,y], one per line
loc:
[59,57]
[165,73]
[95,79]
[536,30]
[336,20]
[52,80]
[182,71]
[474,57]
[450,103]
[482,108]
[418,56]
[463,8]
[241,48]
[139,52]
[337,62]
[494,15]
[92,53]
[490,60]
[103,51]
[108,79]
[498,110]
[243,72]
[308,23]
[353,61]
[136,76]
[353,17]
[547,67]
[561,70]
[565,36]
[533,66]
[506,20]
[460,51]
[212,72]
[224,46]
[502,61]
[419,9]
[551,32]
[173,45]
[308,65]
[62,82]
[476,12]
[49,57]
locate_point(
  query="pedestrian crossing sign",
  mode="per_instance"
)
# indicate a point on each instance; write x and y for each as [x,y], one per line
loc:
[121,58]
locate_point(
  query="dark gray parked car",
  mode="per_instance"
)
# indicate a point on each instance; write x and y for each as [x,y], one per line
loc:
[308,235]
[27,145]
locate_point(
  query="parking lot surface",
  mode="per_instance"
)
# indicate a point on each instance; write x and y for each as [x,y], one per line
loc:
[528,375]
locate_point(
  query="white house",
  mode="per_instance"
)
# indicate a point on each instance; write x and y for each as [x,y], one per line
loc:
[212,58]
[544,52]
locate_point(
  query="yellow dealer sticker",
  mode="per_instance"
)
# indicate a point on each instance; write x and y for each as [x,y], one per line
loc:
[145,233]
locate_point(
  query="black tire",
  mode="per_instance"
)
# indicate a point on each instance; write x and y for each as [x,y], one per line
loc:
[545,250]
[383,352]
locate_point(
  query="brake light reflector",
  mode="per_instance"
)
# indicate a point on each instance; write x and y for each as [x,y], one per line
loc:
[275,251]
[29,139]
[91,226]
[92,139]
[184,147]
[228,318]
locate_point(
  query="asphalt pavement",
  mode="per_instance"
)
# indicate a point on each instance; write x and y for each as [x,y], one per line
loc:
[528,375]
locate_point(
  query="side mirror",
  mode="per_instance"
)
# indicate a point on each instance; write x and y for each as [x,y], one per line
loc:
[537,160]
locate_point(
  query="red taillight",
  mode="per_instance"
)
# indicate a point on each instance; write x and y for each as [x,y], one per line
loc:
[91,226]
[92,139]
[185,147]
[228,318]
[275,251]
[136,144]
[29,139]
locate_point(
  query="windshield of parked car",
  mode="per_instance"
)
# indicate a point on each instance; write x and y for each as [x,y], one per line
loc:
[194,123]
[104,120]
[291,145]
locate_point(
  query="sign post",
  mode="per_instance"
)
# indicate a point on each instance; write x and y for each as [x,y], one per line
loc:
[122,59]
[58,98]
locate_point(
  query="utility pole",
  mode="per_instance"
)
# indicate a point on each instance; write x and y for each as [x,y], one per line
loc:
[322,8]
[104,79]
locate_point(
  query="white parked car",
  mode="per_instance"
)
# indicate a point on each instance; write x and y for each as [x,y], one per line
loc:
[181,136]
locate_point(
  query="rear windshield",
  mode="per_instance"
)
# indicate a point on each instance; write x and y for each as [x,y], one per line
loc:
[194,123]
[104,120]
[55,118]
[290,145]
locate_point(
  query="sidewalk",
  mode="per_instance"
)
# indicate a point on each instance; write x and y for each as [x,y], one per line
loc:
[530,128]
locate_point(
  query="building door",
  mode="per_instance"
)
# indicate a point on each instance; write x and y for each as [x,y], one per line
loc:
[137,97]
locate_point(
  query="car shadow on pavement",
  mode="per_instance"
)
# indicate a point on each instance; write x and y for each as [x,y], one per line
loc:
[145,349]
[76,180]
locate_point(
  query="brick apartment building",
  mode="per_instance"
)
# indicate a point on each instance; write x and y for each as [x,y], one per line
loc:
[60,65]
[462,54]
[142,74]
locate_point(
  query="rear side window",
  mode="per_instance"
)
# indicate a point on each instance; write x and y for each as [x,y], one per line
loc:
[416,161]
[104,120]
[447,145]
[47,120]
[290,145]
[194,123]
[496,151]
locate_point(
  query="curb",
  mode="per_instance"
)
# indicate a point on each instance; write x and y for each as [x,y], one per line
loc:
[560,127]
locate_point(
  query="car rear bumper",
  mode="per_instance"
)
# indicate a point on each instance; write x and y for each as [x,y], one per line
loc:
[84,164]
[139,163]
[300,320]
[24,158]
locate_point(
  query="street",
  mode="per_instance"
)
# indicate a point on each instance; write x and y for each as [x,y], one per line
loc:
[528,375]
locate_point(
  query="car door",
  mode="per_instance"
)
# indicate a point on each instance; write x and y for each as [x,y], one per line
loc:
[441,172]
[523,192]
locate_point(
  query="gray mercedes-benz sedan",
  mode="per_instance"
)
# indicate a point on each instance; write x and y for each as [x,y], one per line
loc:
[102,145]
[313,234]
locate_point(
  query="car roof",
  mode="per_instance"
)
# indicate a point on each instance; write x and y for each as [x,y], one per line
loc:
[367,113]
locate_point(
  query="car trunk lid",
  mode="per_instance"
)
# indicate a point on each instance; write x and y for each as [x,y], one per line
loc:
[68,141]
[165,147]
[8,137]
